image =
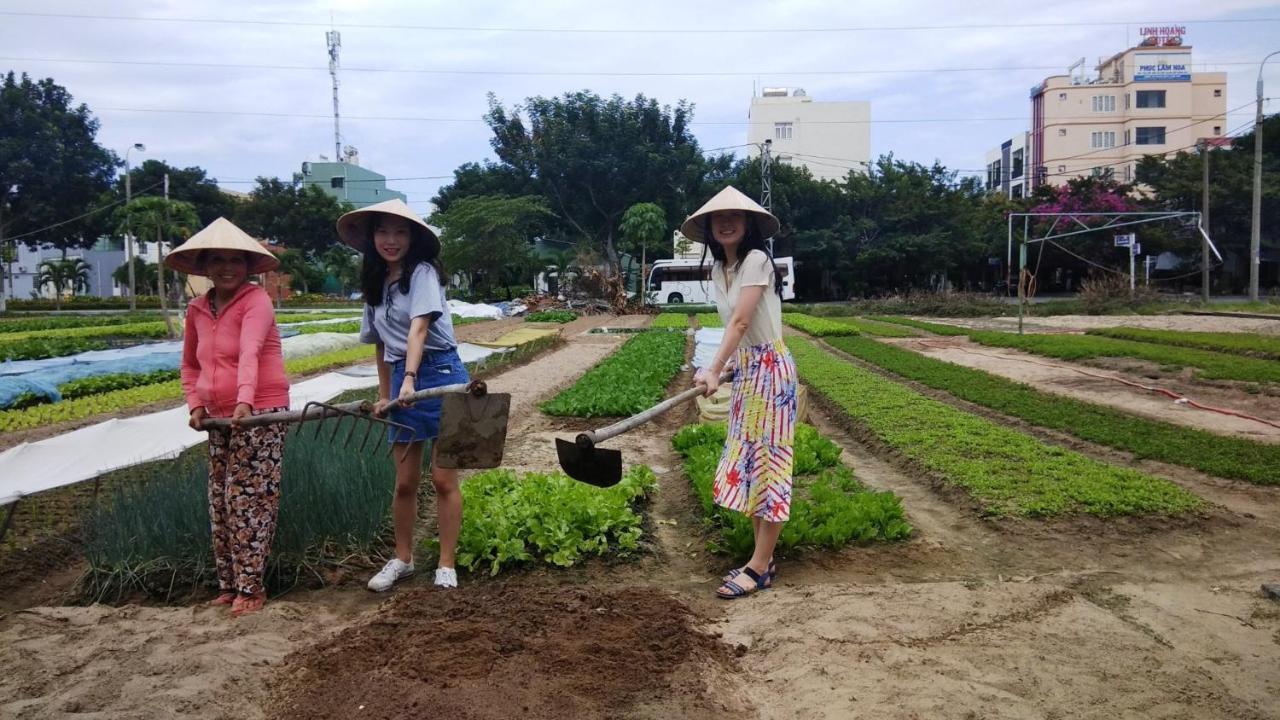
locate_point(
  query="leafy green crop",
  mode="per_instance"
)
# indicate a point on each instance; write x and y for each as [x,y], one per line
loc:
[829,507]
[98,384]
[627,382]
[547,518]
[58,322]
[285,318]
[47,347]
[935,328]
[877,329]
[1228,457]
[1250,344]
[552,316]
[670,320]
[821,327]
[709,320]
[1005,471]
[132,330]
[351,326]
[1210,365]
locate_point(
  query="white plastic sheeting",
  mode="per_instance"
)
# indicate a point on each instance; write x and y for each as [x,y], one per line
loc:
[705,344]
[89,452]
[479,310]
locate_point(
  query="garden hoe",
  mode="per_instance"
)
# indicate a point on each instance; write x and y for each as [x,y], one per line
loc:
[473,423]
[601,467]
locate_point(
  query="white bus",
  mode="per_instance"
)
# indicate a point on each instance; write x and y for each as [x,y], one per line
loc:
[686,281]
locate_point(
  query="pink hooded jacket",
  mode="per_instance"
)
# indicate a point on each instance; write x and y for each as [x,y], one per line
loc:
[235,357]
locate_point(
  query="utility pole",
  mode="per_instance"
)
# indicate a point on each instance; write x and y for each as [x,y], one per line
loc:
[1255,234]
[766,182]
[128,225]
[4,252]
[164,306]
[1204,224]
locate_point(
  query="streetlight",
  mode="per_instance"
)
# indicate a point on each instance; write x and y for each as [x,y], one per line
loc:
[1255,235]
[128,229]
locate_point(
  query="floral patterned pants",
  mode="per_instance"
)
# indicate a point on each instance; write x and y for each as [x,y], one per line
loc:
[244,498]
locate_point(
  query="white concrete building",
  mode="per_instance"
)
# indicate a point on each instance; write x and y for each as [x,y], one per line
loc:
[829,138]
[1007,167]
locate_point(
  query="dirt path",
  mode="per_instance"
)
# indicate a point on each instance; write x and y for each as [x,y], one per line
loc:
[1083,382]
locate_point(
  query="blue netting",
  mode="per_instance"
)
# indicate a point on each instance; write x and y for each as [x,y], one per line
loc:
[42,377]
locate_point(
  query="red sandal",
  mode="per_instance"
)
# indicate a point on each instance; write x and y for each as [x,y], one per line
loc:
[248,604]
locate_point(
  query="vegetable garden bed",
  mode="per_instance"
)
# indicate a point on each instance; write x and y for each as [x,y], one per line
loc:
[829,507]
[627,382]
[1006,472]
[820,327]
[547,518]
[1207,364]
[1266,347]
[1227,457]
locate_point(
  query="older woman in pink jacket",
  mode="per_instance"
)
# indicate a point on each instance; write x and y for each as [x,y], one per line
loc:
[232,366]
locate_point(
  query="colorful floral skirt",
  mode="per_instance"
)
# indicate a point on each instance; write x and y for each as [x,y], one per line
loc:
[754,474]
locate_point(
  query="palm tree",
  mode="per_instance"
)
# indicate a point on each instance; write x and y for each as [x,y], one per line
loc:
[64,275]
[343,265]
[168,219]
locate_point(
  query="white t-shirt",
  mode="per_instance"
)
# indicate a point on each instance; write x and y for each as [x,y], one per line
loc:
[766,323]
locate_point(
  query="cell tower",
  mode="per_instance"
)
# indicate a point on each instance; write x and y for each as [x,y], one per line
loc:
[334,38]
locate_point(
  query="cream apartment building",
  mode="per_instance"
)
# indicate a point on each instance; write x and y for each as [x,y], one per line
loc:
[829,138]
[1142,101]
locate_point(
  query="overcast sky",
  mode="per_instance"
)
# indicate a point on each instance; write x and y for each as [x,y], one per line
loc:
[424,124]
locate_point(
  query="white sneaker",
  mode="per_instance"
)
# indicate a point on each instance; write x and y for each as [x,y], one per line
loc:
[446,577]
[394,571]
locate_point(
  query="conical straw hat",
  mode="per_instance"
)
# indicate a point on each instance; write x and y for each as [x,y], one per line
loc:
[221,234]
[730,198]
[353,227]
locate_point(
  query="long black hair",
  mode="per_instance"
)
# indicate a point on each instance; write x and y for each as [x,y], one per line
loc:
[373,269]
[751,240]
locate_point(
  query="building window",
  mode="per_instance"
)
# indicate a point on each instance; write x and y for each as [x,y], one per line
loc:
[1126,101]
[1062,169]
[1062,132]
[1016,161]
[782,131]
[1217,92]
[1151,98]
[1128,140]
[1217,129]
[1128,173]
[1104,103]
[1104,139]
[1062,96]
[1149,136]
[1017,191]
[336,182]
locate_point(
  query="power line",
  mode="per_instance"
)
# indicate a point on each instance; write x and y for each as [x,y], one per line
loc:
[631,31]
[566,73]
[410,118]
[83,215]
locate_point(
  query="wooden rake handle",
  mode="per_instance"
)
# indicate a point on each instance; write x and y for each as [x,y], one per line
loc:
[475,387]
[590,438]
